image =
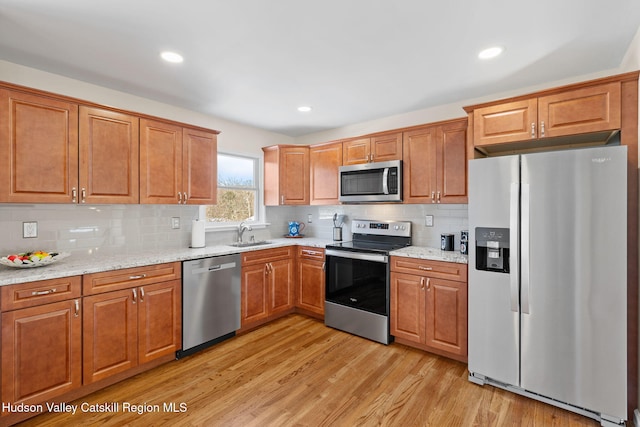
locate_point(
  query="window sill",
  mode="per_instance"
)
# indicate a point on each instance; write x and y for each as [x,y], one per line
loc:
[231,227]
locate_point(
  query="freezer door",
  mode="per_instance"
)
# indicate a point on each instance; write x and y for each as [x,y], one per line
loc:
[493,297]
[574,283]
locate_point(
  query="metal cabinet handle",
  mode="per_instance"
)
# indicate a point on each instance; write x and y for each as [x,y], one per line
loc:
[542,129]
[83,192]
[141,294]
[74,195]
[433,197]
[422,267]
[438,197]
[77,311]
[139,276]
[324,265]
[533,130]
[135,295]
[47,292]
[428,284]
[282,199]
[185,197]
[179,197]
[371,157]
[422,283]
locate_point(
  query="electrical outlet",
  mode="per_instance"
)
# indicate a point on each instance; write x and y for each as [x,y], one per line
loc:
[309,218]
[428,220]
[29,229]
[175,222]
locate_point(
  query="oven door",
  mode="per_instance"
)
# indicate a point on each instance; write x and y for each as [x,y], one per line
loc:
[358,280]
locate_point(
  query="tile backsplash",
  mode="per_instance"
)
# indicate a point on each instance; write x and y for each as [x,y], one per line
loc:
[109,229]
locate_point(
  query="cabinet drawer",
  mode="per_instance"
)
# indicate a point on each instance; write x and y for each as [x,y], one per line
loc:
[423,267]
[108,281]
[266,255]
[311,253]
[41,292]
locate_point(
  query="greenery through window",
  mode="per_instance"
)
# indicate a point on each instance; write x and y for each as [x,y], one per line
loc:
[237,190]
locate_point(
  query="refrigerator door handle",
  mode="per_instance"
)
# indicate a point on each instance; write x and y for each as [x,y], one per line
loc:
[513,243]
[525,221]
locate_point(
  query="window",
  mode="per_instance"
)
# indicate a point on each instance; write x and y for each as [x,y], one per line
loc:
[237,191]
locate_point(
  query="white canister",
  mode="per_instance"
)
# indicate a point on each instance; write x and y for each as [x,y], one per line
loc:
[197,233]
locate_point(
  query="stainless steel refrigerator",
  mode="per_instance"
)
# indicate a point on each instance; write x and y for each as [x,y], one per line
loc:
[548,278]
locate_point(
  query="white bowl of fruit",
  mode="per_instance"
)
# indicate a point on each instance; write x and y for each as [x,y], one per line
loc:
[32,259]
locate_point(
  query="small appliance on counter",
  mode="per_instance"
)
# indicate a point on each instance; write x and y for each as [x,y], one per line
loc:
[338,220]
[464,241]
[446,242]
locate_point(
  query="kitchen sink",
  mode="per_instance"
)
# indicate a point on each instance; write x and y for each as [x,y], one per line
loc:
[249,244]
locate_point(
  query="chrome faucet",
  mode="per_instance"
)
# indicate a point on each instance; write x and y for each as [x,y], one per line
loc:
[241,229]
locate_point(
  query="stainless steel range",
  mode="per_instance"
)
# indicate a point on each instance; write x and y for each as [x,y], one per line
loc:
[357,278]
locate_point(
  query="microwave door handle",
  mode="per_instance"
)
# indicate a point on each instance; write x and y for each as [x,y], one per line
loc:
[385,181]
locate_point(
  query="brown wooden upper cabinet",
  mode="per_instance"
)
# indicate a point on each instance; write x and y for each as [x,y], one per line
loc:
[286,175]
[38,149]
[325,161]
[435,163]
[54,151]
[570,112]
[380,148]
[109,150]
[177,164]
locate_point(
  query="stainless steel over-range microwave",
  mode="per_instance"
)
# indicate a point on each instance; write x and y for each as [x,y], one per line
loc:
[371,182]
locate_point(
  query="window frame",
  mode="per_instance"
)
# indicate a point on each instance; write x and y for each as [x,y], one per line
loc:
[259,221]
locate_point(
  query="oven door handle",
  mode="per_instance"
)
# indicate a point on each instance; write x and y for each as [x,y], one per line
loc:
[357,255]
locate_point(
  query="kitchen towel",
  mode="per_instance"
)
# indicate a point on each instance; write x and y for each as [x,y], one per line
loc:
[197,233]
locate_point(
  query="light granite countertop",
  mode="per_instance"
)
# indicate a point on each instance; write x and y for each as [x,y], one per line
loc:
[78,265]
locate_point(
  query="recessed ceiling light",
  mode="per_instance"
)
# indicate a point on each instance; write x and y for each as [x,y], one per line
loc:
[491,52]
[173,57]
[304,109]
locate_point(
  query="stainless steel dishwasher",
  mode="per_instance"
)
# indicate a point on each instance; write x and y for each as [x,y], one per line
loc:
[210,302]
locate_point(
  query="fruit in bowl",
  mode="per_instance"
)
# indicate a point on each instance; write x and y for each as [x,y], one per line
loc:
[31,259]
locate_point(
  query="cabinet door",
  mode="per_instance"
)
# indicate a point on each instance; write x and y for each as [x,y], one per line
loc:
[386,147]
[110,330]
[199,167]
[109,156]
[356,151]
[325,161]
[311,286]
[508,122]
[281,285]
[160,162]
[446,326]
[408,307]
[294,175]
[41,352]
[419,165]
[159,320]
[452,163]
[254,293]
[590,109]
[38,149]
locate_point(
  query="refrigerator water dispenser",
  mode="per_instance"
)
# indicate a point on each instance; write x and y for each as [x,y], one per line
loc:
[492,249]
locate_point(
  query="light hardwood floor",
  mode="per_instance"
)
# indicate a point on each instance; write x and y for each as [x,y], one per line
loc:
[297,372]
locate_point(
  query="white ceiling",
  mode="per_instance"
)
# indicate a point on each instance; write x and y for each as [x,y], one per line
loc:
[256,61]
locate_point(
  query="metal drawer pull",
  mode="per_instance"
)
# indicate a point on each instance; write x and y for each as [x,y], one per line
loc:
[47,292]
[422,267]
[77,304]
[139,276]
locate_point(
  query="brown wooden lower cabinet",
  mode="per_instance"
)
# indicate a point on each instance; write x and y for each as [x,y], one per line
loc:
[41,352]
[311,277]
[123,329]
[267,284]
[427,311]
